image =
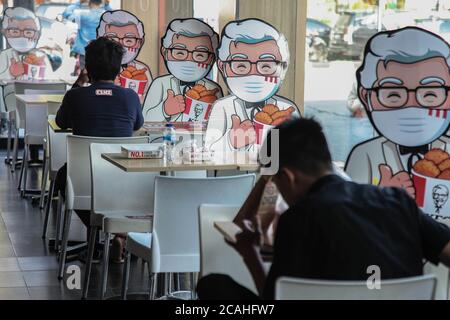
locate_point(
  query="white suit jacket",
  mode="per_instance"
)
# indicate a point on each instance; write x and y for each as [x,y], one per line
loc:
[153,109]
[219,124]
[364,160]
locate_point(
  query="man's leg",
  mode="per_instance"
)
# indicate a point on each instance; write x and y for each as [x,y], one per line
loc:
[223,287]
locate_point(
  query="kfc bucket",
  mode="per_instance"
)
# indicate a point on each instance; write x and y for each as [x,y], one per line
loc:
[134,79]
[431,178]
[270,117]
[198,103]
[34,67]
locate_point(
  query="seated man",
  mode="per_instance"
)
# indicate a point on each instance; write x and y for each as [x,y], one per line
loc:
[101,109]
[334,229]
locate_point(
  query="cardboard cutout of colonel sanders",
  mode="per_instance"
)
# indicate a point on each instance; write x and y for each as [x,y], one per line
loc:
[403,85]
[188,48]
[253,59]
[126,29]
[22,30]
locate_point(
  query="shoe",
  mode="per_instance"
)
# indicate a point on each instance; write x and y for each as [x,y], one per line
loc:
[117,250]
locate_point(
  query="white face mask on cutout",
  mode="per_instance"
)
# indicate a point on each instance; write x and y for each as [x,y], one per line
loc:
[188,71]
[22,45]
[253,88]
[130,54]
[412,126]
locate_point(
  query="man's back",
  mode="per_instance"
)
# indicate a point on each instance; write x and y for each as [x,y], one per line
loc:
[341,228]
[101,110]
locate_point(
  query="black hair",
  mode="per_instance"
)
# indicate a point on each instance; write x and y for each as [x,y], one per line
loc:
[103,59]
[302,146]
[96,2]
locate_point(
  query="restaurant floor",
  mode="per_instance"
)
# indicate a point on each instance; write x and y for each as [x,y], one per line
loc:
[28,268]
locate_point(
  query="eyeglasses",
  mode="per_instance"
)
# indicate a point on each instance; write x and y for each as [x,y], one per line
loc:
[197,55]
[16,33]
[264,67]
[397,97]
[128,42]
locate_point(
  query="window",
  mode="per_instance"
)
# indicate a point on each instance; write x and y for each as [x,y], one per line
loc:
[333,57]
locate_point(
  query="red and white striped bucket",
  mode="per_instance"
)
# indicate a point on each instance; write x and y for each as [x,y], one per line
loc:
[137,86]
[261,130]
[196,110]
[34,72]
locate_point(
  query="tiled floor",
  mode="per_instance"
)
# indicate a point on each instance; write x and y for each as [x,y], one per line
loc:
[28,268]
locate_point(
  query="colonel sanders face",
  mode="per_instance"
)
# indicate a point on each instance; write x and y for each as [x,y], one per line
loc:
[128,37]
[22,35]
[440,197]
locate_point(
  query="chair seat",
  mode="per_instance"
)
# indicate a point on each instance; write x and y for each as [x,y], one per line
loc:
[122,221]
[139,244]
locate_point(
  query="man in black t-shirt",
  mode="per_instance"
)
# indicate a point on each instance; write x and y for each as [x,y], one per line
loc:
[333,229]
[101,109]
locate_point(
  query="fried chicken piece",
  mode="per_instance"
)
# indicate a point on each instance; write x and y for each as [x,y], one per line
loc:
[445,175]
[131,69]
[140,77]
[279,121]
[127,74]
[208,93]
[427,168]
[208,99]
[444,165]
[283,114]
[264,118]
[193,94]
[139,72]
[199,88]
[271,109]
[437,155]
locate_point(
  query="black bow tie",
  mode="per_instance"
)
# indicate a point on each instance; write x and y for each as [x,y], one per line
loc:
[187,84]
[413,150]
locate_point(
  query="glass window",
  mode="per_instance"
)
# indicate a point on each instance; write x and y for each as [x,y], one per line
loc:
[333,57]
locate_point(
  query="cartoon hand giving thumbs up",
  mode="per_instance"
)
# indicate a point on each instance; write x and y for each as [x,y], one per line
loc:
[399,180]
[242,133]
[174,104]
[16,68]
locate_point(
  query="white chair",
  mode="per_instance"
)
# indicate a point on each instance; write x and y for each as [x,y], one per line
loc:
[416,288]
[57,146]
[16,123]
[134,198]
[173,246]
[79,182]
[216,256]
[35,125]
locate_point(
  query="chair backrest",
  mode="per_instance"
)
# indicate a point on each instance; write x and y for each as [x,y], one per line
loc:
[43,91]
[416,288]
[35,117]
[57,146]
[216,256]
[134,190]
[79,168]
[175,240]
[36,122]
[30,88]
